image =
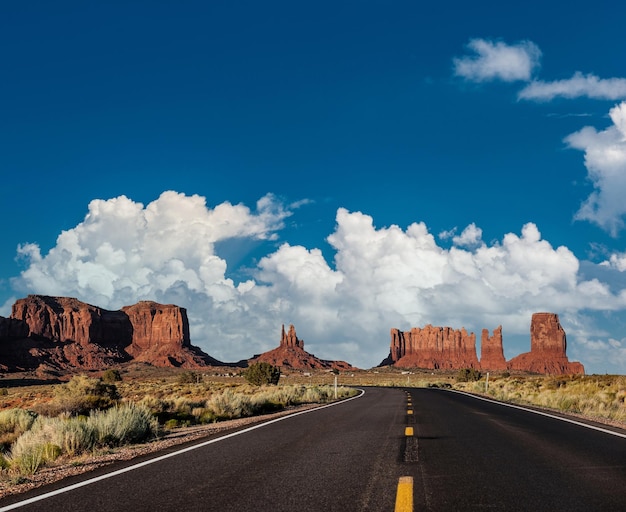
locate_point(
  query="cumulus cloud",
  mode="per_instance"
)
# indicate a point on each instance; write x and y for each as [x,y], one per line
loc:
[578,86]
[616,261]
[605,159]
[498,61]
[122,250]
[471,236]
[379,278]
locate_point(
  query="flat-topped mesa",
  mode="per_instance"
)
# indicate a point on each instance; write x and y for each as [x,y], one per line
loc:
[291,354]
[492,351]
[434,348]
[158,324]
[65,333]
[548,345]
[68,319]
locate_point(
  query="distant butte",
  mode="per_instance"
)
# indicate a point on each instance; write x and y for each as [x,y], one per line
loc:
[62,334]
[291,354]
[447,348]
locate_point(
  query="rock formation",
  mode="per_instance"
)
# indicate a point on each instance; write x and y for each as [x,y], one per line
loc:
[433,347]
[548,345]
[161,336]
[291,354]
[491,350]
[445,348]
[64,319]
[63,333]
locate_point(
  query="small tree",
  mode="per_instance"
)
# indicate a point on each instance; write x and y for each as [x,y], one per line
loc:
[262,373]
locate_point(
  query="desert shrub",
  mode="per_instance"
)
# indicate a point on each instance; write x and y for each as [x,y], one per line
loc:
[70,435]
[13,423]
[468,375]
[442,385]
[39,445]
[262,373]
[83,394]
[123,425]
[110,376]
[16,420]
[229,405]
[189,378]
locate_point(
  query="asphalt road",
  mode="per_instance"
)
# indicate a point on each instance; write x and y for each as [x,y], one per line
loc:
[461,454]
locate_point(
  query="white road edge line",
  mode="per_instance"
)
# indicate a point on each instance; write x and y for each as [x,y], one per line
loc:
[568,420]
[168,455]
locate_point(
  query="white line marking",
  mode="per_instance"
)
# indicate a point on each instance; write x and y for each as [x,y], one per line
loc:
[541,413]
[167,456]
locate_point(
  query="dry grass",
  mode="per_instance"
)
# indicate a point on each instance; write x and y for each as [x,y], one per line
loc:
[598,397]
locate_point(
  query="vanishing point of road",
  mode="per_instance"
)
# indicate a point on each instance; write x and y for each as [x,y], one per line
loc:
[389,449]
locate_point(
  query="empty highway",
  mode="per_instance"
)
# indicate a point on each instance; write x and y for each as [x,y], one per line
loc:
[389,449]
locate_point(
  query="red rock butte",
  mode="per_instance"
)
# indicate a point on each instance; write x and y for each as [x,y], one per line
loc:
[291,354]
[63,333]
[446,348]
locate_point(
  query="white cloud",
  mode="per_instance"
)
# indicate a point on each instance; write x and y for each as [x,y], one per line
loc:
[123,251]
[470,237]
[616,261]
[498,61]
[381,277]
[578,86]
[605,159]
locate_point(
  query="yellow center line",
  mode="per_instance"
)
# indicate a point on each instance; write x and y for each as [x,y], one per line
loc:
[410,411]
[408,431]
[404,496]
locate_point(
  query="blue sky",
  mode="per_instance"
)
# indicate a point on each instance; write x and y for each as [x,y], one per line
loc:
[347,167]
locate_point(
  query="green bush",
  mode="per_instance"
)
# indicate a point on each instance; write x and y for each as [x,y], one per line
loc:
[110,376]
[260,374]
[468,375]
[83,394]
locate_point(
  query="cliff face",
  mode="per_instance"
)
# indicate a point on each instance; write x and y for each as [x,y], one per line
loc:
[492,351]
[291,354]
[548,345]
[10,328]
[64,333]
[161,336]
[64,319]
[434,348]
[445,348]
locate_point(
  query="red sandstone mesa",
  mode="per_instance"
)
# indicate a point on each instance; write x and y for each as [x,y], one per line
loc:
[63,333]
[548,345]
[291,354]
[445,348]
[433,348]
